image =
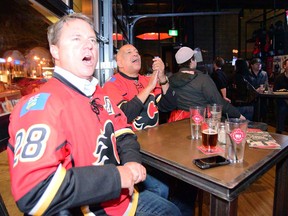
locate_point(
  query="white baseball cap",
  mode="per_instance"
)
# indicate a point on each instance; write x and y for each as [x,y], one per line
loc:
[184,54]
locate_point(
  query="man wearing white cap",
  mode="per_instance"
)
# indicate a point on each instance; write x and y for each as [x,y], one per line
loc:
[194,88]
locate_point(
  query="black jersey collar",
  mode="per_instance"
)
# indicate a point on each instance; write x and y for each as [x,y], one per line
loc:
[128,77]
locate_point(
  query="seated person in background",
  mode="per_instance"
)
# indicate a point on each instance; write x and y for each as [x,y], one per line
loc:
[70,150]
[220,78]
[243,93]
[281,83]
[140,97]
[193,88]
[258,78]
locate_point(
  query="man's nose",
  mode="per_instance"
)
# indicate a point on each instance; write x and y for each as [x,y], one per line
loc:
[88,43]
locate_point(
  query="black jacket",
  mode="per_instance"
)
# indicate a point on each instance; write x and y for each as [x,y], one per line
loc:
[198,89]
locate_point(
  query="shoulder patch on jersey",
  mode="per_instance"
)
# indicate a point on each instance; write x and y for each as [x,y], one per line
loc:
[37,102]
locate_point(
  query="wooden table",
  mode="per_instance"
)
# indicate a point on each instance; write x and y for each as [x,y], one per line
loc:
[168,148]
[280,95]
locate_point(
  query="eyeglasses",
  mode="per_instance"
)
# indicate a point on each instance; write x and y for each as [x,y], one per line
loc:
[95,107]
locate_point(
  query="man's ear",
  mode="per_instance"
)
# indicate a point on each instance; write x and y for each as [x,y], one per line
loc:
[54,50]
[119,63]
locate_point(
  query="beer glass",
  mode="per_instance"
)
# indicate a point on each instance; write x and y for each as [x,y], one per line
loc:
[235,139]
[209,130]
[197,115]
[214,111]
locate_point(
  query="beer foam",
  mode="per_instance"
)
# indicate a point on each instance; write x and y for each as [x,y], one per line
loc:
[209,131]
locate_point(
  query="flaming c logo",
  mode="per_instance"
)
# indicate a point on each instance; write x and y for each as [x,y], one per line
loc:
[152,110]
[148,116]
[106,149]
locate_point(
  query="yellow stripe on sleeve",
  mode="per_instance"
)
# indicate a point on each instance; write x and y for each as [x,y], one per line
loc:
[135,198]
[158,98]
[50,192]
[123,131]
[86,211]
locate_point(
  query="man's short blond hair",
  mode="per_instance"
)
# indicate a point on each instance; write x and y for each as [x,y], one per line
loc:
[54,30]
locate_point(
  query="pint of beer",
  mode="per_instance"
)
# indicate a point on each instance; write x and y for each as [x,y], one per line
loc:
[209,134]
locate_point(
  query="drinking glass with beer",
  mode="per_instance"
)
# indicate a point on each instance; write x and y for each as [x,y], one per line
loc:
[209,130]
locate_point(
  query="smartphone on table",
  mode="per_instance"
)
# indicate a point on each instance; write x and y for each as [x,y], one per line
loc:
[209,162]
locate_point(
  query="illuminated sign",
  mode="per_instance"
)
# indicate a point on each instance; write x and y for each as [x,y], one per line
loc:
[173,32]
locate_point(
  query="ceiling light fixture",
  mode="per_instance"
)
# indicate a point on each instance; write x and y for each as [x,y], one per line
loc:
[117,36]
[154,36]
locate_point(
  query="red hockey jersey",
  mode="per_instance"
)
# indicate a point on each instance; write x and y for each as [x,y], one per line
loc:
[63,156]
[123,89]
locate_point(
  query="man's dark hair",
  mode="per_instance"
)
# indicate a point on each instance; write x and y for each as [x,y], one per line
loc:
[255,60]
[219,62]
[186,64]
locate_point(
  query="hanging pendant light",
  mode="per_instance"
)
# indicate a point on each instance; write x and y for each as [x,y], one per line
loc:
[154,36]
[117,36]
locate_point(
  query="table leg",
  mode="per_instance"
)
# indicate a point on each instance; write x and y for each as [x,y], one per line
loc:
[258,114]
[220,207]
[281,188]
[200,201]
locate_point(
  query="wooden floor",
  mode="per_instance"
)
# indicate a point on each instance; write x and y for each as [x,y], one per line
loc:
[5,186]
[257,200]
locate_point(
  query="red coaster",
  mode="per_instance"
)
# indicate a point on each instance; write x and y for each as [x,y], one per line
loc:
[217,150]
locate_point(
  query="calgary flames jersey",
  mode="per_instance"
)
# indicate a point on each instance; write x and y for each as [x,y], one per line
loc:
[63,155]
[123,89]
